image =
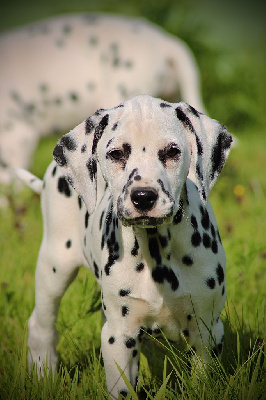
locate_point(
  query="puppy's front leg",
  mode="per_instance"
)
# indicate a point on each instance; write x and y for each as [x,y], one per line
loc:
[121,350]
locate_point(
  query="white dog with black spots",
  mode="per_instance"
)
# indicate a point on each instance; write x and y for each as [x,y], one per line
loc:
[140,219]
[56,72]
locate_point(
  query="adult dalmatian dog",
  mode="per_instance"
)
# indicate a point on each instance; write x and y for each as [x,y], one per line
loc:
[140,218]
[56,72]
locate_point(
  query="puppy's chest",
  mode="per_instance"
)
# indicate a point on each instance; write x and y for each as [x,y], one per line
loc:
[153,274]
[147,291]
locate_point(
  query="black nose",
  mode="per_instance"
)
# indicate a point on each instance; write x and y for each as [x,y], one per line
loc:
[144,198]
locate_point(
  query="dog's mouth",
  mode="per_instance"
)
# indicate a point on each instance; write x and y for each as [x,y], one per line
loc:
[145,222]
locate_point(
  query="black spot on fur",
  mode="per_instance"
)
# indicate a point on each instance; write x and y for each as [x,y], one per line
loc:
[89,125]
[101,220]
[87,216]
[135,249]
[164,190]
[59,155]
[211,283]
[152,231]
[108,219]
[111,260]
[139,267]
[68,244]
[187,260]
[123,393]
[125,311]
[99,111]
[111,340]
[69,142]
[141,333]
[162,273]
[164,105]
[220,274]
[184,119]
[73,96]
[205,219]
[112,244]
[218,155]
[83,148]
[186,194]
[115,126]
[99,131]
[80,202]
[96,269]
[206,240]
[119,106]
[63,186]
[163,241]
[199,144]
[130,343]
[194,222]
[194,111]
[186,332]
[214,247]
[213,231]
[54,270]
[54,170]
[124,292]
[92,168]
[179,215]
[134,353]
[154,250]
[196,239]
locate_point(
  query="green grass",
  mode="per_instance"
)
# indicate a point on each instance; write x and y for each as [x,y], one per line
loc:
[234,94]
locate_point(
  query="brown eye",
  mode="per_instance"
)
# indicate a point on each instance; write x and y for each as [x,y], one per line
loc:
[172,152]
[116,155]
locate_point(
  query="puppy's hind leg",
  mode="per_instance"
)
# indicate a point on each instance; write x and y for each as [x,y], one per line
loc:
[57,266]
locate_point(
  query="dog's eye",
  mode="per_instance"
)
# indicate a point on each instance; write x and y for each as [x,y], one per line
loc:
[116,155]
[172,152]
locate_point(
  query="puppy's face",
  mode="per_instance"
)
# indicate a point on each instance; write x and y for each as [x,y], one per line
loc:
[145,160]
[146,149]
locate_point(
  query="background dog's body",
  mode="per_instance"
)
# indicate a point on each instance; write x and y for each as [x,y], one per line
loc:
[56,72]
[149,235]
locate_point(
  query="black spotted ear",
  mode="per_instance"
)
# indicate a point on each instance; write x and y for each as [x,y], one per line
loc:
[75,152]
[210,145]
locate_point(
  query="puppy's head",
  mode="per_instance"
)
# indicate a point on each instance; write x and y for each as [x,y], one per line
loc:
[145,149]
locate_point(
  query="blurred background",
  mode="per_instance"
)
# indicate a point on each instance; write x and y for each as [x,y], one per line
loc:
[227,37]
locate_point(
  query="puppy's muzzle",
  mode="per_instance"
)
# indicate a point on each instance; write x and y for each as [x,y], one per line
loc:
[144,199]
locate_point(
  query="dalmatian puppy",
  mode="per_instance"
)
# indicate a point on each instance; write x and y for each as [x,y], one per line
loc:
[56,72]
[140,219]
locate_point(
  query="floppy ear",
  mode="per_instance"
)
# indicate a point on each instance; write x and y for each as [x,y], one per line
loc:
[75,152]
[210,145]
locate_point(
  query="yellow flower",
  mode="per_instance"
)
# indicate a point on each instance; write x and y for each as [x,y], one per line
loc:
[239,190]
